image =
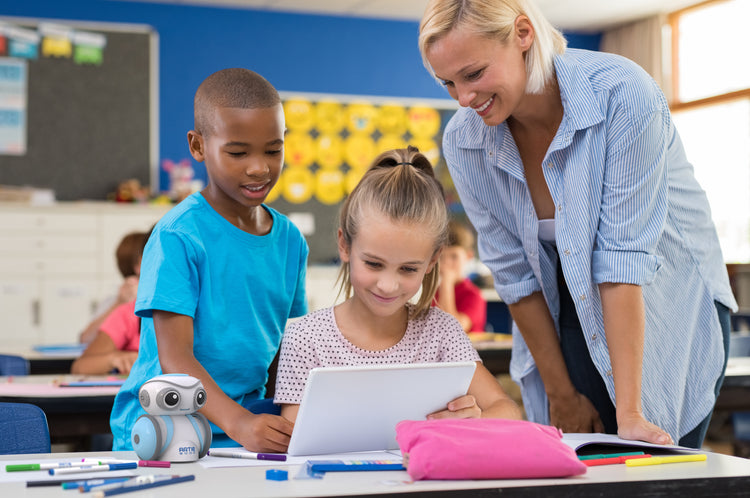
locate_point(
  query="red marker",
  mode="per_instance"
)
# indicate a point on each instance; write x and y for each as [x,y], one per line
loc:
[612,461]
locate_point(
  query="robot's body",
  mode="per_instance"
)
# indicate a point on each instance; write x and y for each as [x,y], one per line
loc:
[171,430]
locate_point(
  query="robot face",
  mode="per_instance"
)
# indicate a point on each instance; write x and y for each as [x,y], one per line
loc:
[172,394]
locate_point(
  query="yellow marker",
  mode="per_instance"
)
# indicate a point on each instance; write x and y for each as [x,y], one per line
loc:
[639,462]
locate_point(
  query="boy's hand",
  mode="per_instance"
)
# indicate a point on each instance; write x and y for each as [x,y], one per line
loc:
[265,433]
[462,407]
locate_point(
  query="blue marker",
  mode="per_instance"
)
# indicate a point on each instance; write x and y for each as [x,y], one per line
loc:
[86,485]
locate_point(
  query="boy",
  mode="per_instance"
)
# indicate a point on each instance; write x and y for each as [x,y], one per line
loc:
[456,294]
[222,272]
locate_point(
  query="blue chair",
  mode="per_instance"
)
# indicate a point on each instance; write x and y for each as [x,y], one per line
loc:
[23,429]
[13,365]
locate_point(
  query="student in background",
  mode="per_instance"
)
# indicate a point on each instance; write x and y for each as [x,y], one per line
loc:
[391,230]
[128,256]
[456,294]
[591,220]
[222,272]
[115,347]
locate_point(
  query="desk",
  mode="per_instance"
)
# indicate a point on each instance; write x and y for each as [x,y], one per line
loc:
[74,414]
[719,475]
[50,360]
[494,350]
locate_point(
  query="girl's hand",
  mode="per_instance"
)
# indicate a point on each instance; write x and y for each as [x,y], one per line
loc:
[462,407]
[574,414]
[636,428]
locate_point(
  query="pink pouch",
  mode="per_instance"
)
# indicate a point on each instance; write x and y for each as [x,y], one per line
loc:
[484,448]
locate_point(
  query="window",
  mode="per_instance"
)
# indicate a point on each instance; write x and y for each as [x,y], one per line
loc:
[711,110]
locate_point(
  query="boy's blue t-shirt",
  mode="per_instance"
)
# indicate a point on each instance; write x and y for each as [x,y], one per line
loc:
[239,288]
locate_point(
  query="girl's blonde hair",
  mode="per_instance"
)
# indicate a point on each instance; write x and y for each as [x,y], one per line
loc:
[495,19]
[401,185]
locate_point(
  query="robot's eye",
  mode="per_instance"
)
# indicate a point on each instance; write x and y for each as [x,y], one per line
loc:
[172,398]
[200,398]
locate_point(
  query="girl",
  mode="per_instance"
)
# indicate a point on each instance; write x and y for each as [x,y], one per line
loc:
[391,230]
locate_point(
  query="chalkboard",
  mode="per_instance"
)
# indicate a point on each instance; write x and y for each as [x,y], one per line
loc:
[90,126]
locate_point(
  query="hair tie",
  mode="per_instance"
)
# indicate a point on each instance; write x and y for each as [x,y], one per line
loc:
[404,164]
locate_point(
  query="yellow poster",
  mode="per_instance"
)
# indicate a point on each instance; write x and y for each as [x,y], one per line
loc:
[299,115]
[392,119]
[299,149]
[423,122]
[359,150]
[298,185]
[361,118]
[329,117]
[329,186]
[329,151]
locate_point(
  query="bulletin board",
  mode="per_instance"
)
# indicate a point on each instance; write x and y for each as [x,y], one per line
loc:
[91,115]
[330,143]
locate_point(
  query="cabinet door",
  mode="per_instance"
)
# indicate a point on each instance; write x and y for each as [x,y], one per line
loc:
[19,309]
[66,308]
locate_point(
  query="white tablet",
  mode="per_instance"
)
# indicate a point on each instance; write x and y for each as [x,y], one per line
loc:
[347,409]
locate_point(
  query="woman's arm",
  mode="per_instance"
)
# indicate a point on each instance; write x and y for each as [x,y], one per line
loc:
[624,325]
[261,432]
[568,409]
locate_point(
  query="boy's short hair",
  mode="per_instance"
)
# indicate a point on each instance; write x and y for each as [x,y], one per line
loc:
[460,235]
[129,251]
[234,87]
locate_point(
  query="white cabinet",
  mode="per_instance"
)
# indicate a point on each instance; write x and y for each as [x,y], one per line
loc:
[57,262]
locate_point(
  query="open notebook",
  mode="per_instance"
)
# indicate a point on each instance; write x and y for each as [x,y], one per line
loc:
[347,409]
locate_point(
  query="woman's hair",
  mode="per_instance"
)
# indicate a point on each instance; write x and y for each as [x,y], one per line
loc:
[400,185]
[495,19]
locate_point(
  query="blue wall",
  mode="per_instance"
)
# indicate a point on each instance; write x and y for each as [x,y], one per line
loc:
[296,53]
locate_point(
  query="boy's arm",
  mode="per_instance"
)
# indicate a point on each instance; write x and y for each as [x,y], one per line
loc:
[262,432]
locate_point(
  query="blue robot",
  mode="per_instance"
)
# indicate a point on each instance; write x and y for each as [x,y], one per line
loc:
[171,430]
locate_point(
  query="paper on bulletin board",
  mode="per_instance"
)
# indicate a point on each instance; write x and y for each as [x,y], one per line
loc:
[13,102]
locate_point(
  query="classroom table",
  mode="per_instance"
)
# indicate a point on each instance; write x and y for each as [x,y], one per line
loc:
[50,359]
[494,350]
[718,475]
[74,414]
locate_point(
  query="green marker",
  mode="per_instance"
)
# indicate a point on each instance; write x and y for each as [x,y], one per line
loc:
[610,455]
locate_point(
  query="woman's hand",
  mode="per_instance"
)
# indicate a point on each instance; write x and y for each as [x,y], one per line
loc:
[636,428]
[463,407]
[574,413]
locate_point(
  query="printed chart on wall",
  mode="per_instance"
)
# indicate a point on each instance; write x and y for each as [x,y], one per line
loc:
[330,143]
[13,88]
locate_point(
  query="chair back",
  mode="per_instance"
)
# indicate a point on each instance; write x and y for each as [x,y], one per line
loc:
[13,365]
[23,429]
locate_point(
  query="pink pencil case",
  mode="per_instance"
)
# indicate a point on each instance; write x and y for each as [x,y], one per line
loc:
[484,448]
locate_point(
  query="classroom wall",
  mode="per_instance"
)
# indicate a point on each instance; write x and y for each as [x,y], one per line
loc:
[295,52]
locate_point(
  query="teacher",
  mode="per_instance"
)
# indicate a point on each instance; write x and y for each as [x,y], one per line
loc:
[589,216]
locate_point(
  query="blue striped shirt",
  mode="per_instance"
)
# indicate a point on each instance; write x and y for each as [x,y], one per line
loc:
[628,209]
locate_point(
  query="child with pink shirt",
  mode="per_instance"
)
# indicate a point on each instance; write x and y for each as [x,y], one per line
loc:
[392,228]
[115,346]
